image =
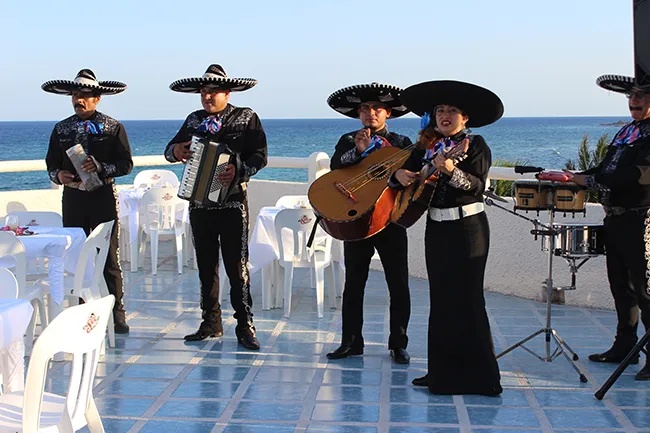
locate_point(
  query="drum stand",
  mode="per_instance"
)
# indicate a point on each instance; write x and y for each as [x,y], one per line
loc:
[549,333]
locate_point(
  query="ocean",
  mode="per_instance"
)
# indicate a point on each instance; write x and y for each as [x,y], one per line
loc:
[541,141]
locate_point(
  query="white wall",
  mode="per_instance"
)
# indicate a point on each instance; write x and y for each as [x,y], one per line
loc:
[516,266]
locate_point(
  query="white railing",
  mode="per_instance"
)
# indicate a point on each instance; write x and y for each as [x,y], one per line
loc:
[317,164]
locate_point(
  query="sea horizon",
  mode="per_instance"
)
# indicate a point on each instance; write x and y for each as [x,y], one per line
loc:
[542,141]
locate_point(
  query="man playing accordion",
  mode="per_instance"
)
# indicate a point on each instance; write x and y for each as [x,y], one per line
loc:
[223,223]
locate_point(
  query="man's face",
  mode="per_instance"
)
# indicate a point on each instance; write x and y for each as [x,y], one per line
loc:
[373,115]
[214,100]
[84,104]
[639,104]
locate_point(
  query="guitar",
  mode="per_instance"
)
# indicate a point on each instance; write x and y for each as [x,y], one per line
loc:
[355,202]
[414,200]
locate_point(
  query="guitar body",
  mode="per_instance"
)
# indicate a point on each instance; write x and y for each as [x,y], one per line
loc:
[413,201]
[355,202]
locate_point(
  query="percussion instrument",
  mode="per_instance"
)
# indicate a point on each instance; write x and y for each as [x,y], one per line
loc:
[199,182]
[532,195]
[579,239]
[568,197]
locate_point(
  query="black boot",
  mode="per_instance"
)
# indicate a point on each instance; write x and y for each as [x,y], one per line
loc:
[614,355]
[121,327]
[349,347]
[421,381]
[246,337]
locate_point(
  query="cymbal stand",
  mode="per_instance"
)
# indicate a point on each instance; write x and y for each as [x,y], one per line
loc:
[549,333]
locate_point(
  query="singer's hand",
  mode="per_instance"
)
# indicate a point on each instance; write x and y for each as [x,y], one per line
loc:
[444,164]
[182,151]
[65,177]
[362,140]
[227,175]
[89,166]
[405,177]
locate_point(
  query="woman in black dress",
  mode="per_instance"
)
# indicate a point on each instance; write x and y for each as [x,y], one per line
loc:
[460,351]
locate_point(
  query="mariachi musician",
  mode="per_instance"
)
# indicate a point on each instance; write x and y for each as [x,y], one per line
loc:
[461,357]
[372,104]
[225,223]
[623,182]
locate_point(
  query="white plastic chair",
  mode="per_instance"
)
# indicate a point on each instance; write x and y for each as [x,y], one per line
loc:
[10,245]
[8,284]
[296,255]
[80,331]
[95,250]
[156,178]
[39,218]
[159,209]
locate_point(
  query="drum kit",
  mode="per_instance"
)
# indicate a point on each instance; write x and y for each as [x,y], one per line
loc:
[577,242]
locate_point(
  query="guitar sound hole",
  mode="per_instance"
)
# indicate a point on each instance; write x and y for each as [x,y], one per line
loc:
[352,212]
[377,172]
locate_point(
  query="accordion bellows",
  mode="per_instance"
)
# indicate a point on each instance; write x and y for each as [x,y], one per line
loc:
[199,183]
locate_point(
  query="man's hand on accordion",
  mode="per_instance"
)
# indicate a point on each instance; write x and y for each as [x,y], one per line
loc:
[182,151]
[227,175]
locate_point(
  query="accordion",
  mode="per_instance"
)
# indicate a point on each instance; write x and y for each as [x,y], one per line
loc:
[199,183]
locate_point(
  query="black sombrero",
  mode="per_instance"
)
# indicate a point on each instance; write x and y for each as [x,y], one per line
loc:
[347,100]
[481,105]
[215,77]
[85,81]
[616,83]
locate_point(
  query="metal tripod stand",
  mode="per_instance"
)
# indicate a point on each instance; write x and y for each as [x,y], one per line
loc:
[550,334]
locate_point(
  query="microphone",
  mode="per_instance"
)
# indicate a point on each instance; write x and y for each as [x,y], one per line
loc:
[521,169]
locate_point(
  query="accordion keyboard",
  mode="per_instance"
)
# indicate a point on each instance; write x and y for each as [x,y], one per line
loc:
[191,171]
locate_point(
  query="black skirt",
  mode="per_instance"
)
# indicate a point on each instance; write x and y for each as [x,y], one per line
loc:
[461,352]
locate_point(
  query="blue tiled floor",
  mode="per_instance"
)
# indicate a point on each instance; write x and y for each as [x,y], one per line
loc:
[155,382]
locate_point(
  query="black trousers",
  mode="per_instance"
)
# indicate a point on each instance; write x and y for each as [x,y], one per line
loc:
[88,209]
[627,268]
[461,357]
[392,246]
[228,228]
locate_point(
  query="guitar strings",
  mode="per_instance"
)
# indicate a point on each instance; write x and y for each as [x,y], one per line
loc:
[353,183]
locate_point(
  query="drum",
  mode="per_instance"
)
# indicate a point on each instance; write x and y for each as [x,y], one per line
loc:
[569,197]
[579,239]
[532,195]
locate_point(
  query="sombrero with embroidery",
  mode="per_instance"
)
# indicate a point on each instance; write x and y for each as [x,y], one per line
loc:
[619,83]
[480,104]
[85,81]
[215,78]
[347,100]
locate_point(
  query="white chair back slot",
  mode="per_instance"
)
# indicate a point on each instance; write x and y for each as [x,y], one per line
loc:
[8,284]
[293,201]
[79,330]
[39,218]
[151,178]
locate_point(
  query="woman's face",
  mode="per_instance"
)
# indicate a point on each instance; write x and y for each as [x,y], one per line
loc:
[450,120]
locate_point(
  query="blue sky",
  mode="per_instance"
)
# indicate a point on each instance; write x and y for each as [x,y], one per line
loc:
[541,57]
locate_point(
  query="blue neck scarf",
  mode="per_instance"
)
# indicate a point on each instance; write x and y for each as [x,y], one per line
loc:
[90,127]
